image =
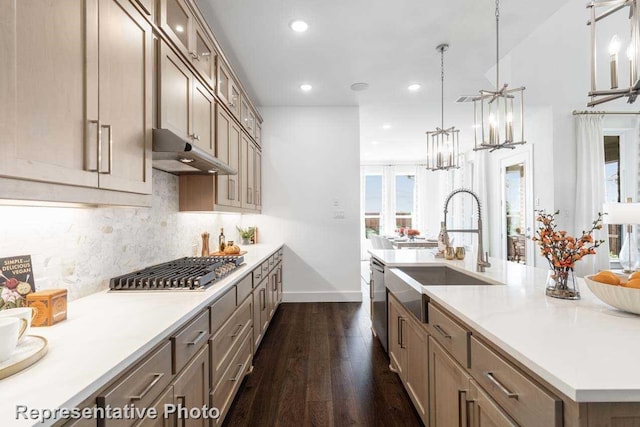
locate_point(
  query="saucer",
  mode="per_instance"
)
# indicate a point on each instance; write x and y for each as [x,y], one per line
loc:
[28,351]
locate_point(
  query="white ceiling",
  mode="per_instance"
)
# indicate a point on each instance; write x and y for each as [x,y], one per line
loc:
[388,44]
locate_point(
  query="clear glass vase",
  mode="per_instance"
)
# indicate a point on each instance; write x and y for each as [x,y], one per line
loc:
[561,283]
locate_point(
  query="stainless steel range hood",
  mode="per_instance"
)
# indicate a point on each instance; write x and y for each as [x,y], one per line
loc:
[178,156]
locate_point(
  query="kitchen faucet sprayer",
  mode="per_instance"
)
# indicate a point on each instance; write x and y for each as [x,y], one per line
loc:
[483,261]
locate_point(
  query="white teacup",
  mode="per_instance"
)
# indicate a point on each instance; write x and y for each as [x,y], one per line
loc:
[26,313]
[11,329]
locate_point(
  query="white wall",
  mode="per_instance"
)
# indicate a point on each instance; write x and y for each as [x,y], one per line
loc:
[310,169]
[80,249]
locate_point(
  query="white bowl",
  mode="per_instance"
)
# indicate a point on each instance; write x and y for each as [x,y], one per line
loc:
[626,299]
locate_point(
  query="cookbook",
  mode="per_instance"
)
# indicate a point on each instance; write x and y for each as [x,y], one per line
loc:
[16,281]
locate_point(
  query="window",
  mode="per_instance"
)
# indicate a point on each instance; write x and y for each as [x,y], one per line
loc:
[405,186]
[612,189]
[372,204]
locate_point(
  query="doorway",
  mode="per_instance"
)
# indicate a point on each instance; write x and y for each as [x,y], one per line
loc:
[517,208]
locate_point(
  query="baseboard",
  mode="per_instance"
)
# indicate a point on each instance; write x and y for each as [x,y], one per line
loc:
[354,296]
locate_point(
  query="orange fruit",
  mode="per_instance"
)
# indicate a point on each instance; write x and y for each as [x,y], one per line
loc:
[633,283]
[635,275]
[607,277]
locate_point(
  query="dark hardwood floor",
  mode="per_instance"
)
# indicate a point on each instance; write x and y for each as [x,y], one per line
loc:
[319,365]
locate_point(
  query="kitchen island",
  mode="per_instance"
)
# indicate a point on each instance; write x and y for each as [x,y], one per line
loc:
[104,334]
[582,351]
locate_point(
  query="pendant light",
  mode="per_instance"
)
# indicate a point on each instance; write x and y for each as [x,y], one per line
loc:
[499,113]
[632,89]
[442,144]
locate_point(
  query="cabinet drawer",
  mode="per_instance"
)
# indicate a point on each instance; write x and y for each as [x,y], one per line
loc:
[141,386]
[189,340]
[265,268]
[450,335]
[272,261]
[223,394]
[244,288]
[525,401]
[222,309]
[224,343]
[257,276]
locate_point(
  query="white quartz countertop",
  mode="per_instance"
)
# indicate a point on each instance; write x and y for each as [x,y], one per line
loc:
[585,348]
[103,334]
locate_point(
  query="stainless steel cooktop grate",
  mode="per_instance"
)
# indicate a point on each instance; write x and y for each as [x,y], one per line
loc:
[189,273]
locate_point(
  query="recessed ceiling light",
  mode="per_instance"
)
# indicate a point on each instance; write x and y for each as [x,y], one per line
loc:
[306,87]
[414,87]
[359,87]
[299,26]
[212,171]
[186,160]
[386,126]
[375,142]
[180,28]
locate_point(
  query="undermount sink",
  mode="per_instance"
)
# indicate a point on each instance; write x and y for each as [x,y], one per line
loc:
[405,284]
[435,276]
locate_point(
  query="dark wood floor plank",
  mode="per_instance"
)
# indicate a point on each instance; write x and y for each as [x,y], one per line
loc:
[318,365]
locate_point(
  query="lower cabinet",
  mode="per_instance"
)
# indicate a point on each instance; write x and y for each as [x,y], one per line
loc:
[165,398]
[484,412]
[408,344]
[191,388]
[260,313]
[448,388]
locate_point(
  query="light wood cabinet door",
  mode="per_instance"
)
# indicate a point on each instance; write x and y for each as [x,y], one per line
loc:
[260,312]
[258,134]
[397,322]
[177,24]
[175,93]
[448,388]
[191,387]
[273,291]
[234,98]
[203,118]
[279,283]
[49,91]
[126,67]
[165,398]
[485,412]
[228,150]
[417,375]
[258,179]
[247,176]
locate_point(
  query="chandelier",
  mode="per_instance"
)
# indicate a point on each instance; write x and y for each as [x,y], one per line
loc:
[442,144]
[499,114]
[615,92]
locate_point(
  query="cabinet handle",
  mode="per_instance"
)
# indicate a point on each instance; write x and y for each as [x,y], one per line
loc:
[442,331]
[194,55]
[147,389]
[99,139]
[275,283]
[237,331]
[471,415]
[500,386]
[195,136]
[249,195]
[463,413]
[198,338]
[108,127]
[231,185]
[239,374]
[264,298]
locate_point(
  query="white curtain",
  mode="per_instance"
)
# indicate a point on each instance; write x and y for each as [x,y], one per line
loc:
[420,201]
[388,213]
[590,188]
[480,187]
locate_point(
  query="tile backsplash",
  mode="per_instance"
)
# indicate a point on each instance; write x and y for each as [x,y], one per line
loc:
[80,249]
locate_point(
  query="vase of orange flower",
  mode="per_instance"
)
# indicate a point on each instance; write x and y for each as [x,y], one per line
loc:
[562,252]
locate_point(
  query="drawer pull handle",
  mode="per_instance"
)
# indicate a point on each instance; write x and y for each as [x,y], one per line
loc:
[239,374]
[463,411]
[156,378]
[237,331]
[502,388]
[442,331]
[198,338]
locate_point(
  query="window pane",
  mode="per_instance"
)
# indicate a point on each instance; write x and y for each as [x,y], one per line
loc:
[371,226]
[404,194]
[612,188]
[373,195]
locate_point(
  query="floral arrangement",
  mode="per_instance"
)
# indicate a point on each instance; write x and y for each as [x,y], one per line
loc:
[412,232]
[560,249]
[246,233]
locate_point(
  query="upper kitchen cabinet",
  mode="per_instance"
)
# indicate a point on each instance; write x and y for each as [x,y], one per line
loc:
[247,116]
[228,90]
[228,150]
[258,133]
[247,176]
[180,26]
[187,108]
[87,122]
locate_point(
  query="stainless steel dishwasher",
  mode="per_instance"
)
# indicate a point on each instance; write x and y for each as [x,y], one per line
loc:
[378,293]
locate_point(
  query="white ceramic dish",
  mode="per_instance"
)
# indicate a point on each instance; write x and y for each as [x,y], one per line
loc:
[626,299]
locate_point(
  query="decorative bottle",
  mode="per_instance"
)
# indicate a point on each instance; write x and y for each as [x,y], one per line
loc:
[221,241]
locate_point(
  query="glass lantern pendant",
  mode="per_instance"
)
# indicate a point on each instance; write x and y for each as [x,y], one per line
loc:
[499,114]
[443,146]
